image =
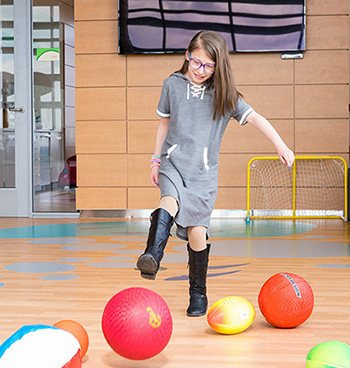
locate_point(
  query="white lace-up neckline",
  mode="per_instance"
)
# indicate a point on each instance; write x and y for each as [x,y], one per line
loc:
[195,90]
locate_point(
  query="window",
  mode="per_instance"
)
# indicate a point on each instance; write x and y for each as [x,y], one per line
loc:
[167,26]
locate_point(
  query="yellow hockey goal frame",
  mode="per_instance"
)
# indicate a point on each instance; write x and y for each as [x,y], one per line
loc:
[294,216]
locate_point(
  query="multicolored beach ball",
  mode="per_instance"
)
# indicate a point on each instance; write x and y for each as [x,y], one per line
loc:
[40,346]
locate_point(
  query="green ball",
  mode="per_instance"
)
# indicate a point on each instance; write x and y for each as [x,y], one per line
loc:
[329,354]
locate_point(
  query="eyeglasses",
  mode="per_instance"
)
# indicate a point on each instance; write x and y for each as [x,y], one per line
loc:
[196,64]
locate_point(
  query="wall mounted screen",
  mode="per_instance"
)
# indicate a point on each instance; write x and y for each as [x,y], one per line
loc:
[167,26]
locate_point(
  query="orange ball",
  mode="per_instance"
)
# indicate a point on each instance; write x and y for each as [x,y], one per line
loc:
[78,331]
[286,300]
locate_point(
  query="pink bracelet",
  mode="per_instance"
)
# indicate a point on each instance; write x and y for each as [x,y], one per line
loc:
[155,164]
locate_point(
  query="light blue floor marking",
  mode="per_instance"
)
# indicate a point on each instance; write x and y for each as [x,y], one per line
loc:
[131,252]
[1,284]
[334,265]
[211,274]
[227,266]
[93,247]
[228,228]
[175,258]
[40,267]
[59,277]
[222,273]
[76,259]
[141,239]
[116,258]
[112,264]
[185,277]
[77,230]
[316,236]
[272,248]
[61,241]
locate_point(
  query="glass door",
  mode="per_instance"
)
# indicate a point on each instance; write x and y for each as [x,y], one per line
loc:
[16,117]
[54,162]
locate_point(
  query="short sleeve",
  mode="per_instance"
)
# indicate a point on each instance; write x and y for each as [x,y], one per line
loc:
[242,111]
[163,109]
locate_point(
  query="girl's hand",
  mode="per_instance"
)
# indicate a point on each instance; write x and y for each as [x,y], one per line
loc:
[286,155]
[155,176]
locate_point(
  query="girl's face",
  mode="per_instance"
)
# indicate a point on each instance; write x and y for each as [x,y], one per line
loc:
[199,76]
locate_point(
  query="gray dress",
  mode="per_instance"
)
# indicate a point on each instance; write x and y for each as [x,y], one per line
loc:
[190,152]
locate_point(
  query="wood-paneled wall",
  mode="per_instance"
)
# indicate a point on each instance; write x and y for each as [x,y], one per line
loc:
[306,100]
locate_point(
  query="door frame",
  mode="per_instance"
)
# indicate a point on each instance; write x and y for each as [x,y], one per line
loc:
[17,202]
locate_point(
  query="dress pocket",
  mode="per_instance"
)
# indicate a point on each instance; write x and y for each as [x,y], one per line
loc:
[205,158]
[191,160]
[171,149]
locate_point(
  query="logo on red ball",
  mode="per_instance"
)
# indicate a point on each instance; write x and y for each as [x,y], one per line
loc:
[154,320]
[294,284]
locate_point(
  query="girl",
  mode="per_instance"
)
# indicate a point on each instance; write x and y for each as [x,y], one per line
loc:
[195,107]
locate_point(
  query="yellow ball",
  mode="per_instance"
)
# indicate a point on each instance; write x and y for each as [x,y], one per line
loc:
[231,315]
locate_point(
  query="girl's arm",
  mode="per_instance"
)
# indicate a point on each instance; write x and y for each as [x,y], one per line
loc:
[161,134]
[259,122]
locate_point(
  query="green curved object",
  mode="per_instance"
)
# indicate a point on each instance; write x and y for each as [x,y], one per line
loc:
[329,354]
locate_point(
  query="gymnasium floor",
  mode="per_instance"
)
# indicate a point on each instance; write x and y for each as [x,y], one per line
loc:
[54,269]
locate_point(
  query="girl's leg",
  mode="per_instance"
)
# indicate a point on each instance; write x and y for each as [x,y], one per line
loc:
[197,237]
[198,255]
[162,220]
[169,203]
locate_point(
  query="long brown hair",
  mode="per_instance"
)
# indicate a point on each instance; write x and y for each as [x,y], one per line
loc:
[225,92]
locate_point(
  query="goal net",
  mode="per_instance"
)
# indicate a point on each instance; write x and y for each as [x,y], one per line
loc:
[315,187]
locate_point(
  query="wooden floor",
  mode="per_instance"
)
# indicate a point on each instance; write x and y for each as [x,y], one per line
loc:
[29,298]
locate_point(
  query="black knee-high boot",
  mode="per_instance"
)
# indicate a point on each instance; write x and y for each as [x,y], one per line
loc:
[198,266]
[159,232]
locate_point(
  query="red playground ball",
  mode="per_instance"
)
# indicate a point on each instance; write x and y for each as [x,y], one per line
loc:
[286,300]
[137,323]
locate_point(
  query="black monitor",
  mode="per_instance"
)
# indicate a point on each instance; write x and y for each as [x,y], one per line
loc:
[167,26]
